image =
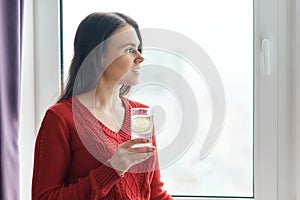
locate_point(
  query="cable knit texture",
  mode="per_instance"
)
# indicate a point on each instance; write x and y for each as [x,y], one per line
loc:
[64,169]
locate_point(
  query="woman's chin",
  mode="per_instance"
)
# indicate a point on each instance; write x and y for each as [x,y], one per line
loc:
[132,82]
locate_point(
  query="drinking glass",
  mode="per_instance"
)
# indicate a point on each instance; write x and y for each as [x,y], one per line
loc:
[141,123]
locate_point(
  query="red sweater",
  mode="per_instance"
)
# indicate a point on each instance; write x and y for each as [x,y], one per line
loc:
[64,168]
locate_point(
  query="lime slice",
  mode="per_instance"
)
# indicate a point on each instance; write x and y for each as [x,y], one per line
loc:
[140,124]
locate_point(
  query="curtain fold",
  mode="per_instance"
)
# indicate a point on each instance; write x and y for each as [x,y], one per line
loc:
[11,17]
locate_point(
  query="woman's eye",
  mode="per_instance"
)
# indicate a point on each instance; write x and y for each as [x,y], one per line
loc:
[129,50]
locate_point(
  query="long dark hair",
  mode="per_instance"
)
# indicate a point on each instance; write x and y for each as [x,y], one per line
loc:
[92,31]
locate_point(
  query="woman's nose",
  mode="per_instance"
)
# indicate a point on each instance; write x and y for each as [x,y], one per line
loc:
[139,58]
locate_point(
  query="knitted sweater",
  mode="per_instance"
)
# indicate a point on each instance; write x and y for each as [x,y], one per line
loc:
[65,169]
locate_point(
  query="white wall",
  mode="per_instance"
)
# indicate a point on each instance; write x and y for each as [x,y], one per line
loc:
[27,108]
[40,79]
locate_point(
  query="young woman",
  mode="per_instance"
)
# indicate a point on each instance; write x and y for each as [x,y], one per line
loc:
[84,149]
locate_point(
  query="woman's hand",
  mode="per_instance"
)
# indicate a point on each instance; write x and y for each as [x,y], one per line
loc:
[126,155]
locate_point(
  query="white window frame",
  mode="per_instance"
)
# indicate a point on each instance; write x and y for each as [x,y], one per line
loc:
[276,154]
[295,40]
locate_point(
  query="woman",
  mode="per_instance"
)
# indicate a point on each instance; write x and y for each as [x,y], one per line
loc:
[84,149]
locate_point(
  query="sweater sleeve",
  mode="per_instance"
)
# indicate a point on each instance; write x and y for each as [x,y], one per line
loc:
[157,191]
[51,163]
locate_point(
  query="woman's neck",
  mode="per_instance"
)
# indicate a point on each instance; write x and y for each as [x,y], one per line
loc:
[107,97]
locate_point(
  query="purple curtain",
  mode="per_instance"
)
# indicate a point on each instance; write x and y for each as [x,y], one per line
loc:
[11,15]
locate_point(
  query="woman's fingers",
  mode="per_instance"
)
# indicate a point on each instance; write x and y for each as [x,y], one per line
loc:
[132,142]
[128,155]
[144,149]
[129,146]
[142,157]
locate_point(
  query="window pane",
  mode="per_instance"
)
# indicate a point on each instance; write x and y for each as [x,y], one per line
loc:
[224,32]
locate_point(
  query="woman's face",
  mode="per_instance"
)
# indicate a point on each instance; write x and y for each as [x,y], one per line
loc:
[122,58]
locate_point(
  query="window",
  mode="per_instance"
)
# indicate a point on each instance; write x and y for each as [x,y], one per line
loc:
[192,96]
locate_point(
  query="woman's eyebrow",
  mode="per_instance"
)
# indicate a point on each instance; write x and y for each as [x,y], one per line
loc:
[130,44]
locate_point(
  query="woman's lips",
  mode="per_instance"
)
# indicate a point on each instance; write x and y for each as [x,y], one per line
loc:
[136,70]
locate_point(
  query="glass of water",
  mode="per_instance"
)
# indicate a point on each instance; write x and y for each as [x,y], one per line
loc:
[141,123]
